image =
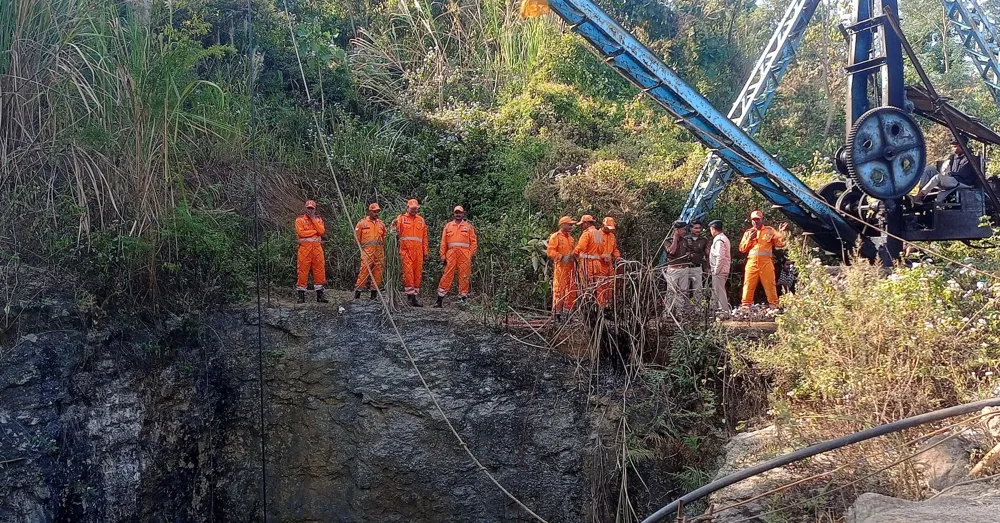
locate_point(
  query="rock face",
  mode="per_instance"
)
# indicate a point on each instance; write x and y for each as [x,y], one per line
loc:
[118,428]
[968,504]
[743,451]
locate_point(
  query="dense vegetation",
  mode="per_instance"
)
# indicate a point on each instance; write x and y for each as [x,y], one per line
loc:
[129,125]
[138,137]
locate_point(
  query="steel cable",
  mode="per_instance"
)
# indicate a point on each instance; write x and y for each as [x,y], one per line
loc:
[382,298]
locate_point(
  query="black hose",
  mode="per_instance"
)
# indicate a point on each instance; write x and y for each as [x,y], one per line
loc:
[820,448]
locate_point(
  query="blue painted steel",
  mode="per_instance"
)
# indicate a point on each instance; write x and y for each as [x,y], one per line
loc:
[875,48]
[893,87]
[751,104]
[979,37]
[860,52]
[635,62]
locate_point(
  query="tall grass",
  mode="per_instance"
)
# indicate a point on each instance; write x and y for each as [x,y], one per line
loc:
[100,112]
[431,52]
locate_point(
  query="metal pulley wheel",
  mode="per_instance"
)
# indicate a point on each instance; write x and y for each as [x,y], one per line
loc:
[885,153]
[853,202]
[831,192]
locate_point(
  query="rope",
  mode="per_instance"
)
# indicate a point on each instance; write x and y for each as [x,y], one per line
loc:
[381,295]
[257,264]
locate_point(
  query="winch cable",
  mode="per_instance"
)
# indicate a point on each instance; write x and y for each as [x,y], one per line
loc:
[251,88]
[321,135]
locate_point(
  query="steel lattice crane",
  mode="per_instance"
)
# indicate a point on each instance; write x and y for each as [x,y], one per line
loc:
[979,37]
[884,155]
[752,102]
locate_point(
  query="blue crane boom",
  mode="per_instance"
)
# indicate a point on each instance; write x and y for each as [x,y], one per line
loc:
[979,37]
[623,52]
[752,102]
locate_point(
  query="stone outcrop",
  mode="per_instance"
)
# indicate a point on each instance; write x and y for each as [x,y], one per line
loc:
[968,504]
[116,427]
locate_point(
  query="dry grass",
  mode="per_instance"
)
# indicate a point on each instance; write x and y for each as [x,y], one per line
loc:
[98,114]
[431,51]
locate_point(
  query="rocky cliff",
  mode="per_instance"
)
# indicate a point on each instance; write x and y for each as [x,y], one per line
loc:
[119,425]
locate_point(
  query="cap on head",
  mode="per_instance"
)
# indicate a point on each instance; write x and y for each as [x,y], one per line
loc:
[459,208]
[412,203]
[310,204]
[374,207]
[757,214]
[585,218]
[566,219]
[961,139]
[609,222]
[715,224]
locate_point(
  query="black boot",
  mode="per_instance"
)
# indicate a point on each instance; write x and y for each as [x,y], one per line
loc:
[357,295]
[302,296]
[320,298]
[413,301]
[374,295]
[439,302]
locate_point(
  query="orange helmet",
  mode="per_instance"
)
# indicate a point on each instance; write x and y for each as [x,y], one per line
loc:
[412,203]
[374,207]
[609,222]
[566,219]
[585,218]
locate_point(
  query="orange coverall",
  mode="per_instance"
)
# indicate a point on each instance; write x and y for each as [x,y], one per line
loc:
[458,246]
[596,246]
[607,284]
[310,255]
[563,274]
[371,236]
[760,263]
[413,249]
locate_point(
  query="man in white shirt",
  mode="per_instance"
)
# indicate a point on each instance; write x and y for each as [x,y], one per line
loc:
[719,260]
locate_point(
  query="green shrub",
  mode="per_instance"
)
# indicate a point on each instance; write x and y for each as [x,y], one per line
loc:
[875,349]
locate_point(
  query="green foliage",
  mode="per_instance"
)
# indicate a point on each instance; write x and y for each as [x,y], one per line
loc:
[878,349]
[135,116]
[194,263]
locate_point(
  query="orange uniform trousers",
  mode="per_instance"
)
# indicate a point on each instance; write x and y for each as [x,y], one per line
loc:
[371,237]
[457,260]
[563,273]
[759,269]
[606,283]
[563,286]
[372,267]
[412,262]
[310,258]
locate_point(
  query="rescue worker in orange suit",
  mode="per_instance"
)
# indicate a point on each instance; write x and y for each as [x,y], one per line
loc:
[560,251]
[589,251]
[458,246]
[370,233]
[411,229]
[310,230]
[609,260]
[758,243]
